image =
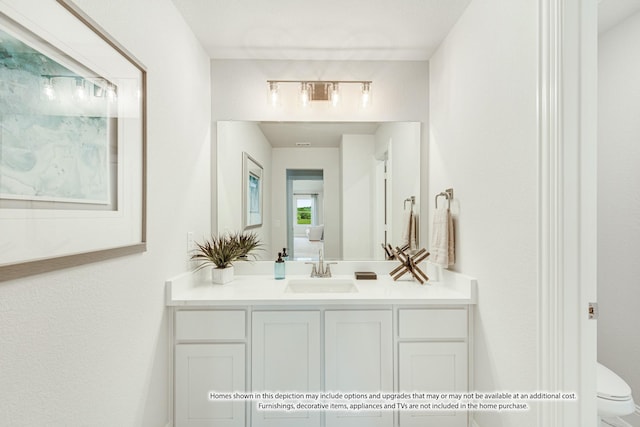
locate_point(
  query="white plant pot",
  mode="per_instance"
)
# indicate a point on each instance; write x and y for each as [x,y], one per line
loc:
[220,276]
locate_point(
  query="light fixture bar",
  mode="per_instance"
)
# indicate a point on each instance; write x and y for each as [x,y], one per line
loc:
[320,81]
[319,90]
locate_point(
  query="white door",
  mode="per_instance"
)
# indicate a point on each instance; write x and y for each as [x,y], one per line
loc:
[359,358]
[437,367]
[204,368]
[285,349]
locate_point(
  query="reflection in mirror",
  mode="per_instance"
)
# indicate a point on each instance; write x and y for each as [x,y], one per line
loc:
[367,171]
[305,216]
[252,188]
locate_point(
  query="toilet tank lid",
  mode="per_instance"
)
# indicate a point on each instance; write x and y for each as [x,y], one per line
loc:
[610,385]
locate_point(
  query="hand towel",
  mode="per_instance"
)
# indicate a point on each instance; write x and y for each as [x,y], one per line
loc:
[443,238]
[410,230]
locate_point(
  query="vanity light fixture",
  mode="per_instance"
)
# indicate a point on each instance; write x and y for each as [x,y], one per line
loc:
[320,90]
[80,89]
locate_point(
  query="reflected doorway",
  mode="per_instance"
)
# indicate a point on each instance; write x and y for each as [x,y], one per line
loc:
[305,222]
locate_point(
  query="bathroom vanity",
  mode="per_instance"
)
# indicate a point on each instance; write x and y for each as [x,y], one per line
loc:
[302,335]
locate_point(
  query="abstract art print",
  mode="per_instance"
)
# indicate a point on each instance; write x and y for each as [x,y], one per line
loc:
[72,140]
[54,124]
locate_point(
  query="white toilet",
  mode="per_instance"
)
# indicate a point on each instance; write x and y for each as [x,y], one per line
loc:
[614,398]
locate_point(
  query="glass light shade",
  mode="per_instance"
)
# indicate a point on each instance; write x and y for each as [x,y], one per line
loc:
[335,94]
[304,94]
[274,97]
[80,92]
[111,92]
[366,94]
[48,90]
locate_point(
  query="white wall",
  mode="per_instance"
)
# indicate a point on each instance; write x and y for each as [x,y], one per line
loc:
[358,173]
[87,345]
[483,144]
[234,138]
[326,159]
[619,201]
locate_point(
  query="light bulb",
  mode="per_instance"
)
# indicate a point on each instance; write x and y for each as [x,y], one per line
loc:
[366,94]
[335,94]
[273,94]
[80,92]
[111,92]
[48,90]
[304,94]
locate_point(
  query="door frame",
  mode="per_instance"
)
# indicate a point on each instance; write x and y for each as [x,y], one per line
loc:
[567,208]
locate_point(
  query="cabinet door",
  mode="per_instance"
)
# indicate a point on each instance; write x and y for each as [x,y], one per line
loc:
[359,358]
[204,368]
[433,367]
[285,357]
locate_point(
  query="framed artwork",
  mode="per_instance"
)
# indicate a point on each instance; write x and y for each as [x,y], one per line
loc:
[252,175]
[72,141]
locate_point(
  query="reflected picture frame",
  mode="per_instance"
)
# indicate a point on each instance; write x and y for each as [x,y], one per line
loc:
[72,143]
[252,192]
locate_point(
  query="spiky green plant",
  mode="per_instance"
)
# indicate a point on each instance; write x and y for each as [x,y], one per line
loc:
[248,242]
[221,251]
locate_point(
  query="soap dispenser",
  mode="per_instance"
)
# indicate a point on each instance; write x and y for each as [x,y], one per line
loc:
[285,255]
[279,267]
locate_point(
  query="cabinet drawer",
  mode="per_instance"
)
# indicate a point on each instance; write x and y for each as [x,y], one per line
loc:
[210,324]
[432,323]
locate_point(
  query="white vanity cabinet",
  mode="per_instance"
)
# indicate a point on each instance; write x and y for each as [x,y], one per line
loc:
[210,356]
[433,357]
[312,348]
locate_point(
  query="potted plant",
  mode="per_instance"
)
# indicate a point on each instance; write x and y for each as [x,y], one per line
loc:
[248,243]
[221,251]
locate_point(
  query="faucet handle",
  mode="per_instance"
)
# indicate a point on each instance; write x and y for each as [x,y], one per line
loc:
[327,270]
[314,271]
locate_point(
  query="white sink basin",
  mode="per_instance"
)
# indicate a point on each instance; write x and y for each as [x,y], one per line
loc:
[320,286]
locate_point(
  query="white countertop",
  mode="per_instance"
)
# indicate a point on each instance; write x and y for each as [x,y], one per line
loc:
[196,289]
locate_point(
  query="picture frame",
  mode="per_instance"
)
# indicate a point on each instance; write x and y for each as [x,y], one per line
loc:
[252,192]
[72,141]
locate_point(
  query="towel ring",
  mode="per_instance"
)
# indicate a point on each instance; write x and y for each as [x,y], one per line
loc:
[411,199]
[447,194]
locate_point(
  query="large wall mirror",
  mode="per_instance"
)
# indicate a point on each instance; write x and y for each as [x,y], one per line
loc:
[346,188]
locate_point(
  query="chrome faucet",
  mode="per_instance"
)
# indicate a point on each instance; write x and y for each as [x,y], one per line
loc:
[322,269]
